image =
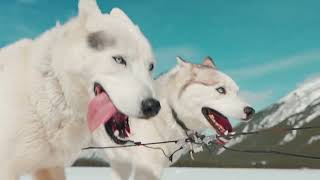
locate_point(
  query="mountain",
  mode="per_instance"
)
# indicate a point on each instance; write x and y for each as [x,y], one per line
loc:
[300,108]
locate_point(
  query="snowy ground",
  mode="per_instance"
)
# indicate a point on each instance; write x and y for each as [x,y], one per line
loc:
[201,173]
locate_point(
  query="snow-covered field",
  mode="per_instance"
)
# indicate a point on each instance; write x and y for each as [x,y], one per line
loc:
[201,174]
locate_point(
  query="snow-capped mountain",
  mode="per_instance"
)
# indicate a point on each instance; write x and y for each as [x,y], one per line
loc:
[299,108]
[290,110]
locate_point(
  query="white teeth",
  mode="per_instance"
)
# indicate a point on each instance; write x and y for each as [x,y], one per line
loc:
[218,126]
[124,139]
[116,133]
[211,116]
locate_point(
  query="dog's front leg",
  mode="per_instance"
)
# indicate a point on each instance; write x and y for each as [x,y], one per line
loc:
[7,176]
[7,173]
[147,172]
[50,174]
[120,171]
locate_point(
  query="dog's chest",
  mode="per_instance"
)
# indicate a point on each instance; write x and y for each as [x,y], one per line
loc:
[68,141]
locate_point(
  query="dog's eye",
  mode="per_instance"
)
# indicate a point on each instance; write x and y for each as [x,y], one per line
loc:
[151,67]
[221,90]
[119,60]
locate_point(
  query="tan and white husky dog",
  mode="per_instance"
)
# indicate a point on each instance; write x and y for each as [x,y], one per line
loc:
[70,80]
[200,96]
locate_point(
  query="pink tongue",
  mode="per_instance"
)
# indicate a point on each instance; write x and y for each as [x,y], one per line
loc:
[100,110]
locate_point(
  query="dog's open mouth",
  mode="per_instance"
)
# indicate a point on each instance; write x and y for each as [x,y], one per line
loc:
[218,121]
[118,128]
[101,111]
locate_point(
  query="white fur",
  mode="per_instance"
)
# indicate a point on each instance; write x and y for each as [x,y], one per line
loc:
[46,85]
[148,163]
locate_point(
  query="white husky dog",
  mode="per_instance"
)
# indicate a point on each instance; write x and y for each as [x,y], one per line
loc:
[70,80]
[192,96]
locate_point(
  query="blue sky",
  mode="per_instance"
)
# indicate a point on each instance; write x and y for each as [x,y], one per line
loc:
[268,47]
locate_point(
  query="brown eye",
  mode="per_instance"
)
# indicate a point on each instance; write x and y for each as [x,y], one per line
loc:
[221,90]
[151,67]
[119,60]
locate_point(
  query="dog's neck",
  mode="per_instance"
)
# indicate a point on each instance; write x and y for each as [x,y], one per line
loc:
[170,121]
[166,125]
[48,94]
[50,102]
[182,125]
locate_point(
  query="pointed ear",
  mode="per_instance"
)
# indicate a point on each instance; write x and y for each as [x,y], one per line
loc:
[87,8]
[208,61]
[116,12]
[181,61]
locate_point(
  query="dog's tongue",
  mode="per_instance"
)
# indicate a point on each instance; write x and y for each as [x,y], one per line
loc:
[100,110]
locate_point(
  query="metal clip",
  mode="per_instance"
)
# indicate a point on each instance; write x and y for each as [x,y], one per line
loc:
[209,140]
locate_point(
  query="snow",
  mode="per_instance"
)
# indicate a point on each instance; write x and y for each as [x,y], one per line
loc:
[201,173]
[288,137]
[291,135]
[314,139]
[297,101]
[263,163]
[234,141]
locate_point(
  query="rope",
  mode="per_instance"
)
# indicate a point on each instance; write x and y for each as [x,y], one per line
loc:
[132,145]
[190,139]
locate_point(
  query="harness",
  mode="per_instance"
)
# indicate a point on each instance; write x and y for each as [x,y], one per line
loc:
[178,121]
[196,140]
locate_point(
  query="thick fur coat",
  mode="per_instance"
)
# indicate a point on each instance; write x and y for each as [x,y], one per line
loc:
[47,83]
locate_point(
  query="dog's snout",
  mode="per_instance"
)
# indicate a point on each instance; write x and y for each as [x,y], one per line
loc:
[249,111]
[150,107]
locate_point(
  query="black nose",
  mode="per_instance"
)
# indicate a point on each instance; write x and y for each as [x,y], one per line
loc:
[150,107]
[249,111]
